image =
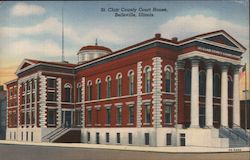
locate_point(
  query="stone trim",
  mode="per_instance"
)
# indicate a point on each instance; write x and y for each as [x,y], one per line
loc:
[157,94]
[59,100]
[83,104]
[139,93]
[42,95]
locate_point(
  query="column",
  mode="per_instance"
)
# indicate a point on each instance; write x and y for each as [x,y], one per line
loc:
[31,92]
[236,100]
[179,89]
[224,95]
[25,104]
[195,93]
[209,94]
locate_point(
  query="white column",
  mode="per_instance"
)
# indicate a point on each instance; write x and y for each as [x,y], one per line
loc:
[195,94]
[25,104]
[224,96]
[236,100]
[209,94]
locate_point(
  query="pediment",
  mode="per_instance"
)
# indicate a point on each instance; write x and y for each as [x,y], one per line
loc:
[24,65]
[223,39]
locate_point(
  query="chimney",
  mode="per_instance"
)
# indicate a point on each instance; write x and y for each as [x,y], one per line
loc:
[157,35]
[174,39]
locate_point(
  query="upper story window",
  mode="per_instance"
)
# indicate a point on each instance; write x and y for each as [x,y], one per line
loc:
[108,87]
[98,89]
[89,90]
[67,91]
[51,96]
[119,84]
[147,77]
[28,86]
[130,114]
[131,82]
[202,82]
[119,115]
[167,114]
[147,114]
[23,88]
[168,71]
[187,80]
[216,85]
[51,83]
[11,92]
[79,92]
[230,87]
[15,90]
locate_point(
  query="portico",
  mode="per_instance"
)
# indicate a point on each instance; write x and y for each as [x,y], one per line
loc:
[195,62]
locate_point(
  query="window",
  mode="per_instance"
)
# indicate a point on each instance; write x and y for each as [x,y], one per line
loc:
[107,137]
[216,85]
[67,91]
[131,82]
[97,134]
[108,116]
[119,84]
[147,113]
[22,136]
[98,115]
[147,77]
[130,114]
[119,115]
[28,86]
[130,138]
[89,89]
[78,115]
[168,139]
[51,117]
[108,87]
[22,117]
[98,89]
[168,71]
[230,87]
[202,83]
[27,136]
[51,83]
[23,88]
[88,136]
[79,92]
[118,138]
[23,99]
[51,96]
[28,117]
[187,83]
[31,136]
[146,137]
[182,139]
[33,117]
[167,114]
[89,116]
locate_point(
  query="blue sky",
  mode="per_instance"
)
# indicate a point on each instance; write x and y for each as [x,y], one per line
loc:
[32,29]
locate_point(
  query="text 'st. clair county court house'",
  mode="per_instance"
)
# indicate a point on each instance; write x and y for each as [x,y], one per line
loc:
[158,92]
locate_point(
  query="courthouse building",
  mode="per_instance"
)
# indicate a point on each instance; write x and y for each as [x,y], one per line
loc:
[158,92]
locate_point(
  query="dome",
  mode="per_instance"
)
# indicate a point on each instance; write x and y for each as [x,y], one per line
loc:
[95,47]
[90,52]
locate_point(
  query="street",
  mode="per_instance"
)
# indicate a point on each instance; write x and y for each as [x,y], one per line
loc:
[26,152]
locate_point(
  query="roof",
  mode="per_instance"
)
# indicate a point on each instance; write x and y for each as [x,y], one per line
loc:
[95,47]
[53,63]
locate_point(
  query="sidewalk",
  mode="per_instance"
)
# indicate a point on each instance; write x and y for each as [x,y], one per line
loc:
[186,149]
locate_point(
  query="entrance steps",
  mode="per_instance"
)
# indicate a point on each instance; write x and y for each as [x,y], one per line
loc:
[62,134]
[237,136]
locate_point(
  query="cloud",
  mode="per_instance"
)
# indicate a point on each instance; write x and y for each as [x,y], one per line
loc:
[24,9]
[185,26]
[53,26]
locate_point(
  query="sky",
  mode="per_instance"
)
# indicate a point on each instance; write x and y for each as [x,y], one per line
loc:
[32,29]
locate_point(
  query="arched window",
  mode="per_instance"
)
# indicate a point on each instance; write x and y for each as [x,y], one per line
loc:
[202,82]
[119,84]
[89,90]
[67,91]
[187,80]
[168,70]
[131,82]
[216,85]
[147,77]
[79,92]
[108,87]
[230,87]
[98,89]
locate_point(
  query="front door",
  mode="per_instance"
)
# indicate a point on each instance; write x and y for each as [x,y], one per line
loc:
[202,116]
[66,118]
